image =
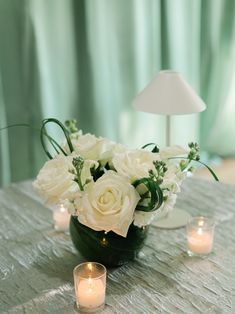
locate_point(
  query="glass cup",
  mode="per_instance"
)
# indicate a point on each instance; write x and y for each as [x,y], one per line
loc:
[90,286]
[200,235]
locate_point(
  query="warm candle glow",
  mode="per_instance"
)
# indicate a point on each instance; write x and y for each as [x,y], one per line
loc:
[90,285]
[90,293]
[62,209]
[200,234]
[200,242]
[200,223]
[61,218]
[89,266]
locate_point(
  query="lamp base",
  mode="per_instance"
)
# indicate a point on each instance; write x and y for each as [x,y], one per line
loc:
[176,219]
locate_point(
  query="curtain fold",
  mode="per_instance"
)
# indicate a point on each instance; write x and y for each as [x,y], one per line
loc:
[16,95]
[88,59]
[5,169]
[218,76]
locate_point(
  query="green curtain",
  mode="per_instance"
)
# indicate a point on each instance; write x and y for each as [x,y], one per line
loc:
[218,76]
[88,59]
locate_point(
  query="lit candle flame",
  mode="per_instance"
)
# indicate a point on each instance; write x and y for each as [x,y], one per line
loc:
[200,223]
[89,266]
[62,209]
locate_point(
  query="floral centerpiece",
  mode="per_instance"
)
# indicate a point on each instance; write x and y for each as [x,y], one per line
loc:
[113,192]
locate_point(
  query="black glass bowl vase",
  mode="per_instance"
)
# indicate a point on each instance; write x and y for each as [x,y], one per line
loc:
[109,248]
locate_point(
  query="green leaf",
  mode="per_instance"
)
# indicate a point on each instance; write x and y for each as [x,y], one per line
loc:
[202,163]
[155,148]
[156,195]
[211,171]
[44,134]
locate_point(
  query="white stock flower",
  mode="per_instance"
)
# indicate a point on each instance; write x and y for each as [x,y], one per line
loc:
[168,205]
[108,204]
[54,181]
[142,218]
[86,170]
[173,177]
[134,164]
[171,180]
[70,206]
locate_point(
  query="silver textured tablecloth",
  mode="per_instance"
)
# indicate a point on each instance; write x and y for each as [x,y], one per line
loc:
[36,262]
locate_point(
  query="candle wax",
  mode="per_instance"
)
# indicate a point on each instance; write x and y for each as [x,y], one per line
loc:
[200,241]
[61,218]
[90,293]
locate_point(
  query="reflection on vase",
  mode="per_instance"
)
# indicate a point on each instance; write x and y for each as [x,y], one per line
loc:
[109,248]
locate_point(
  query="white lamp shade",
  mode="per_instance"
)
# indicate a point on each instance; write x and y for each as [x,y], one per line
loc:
[169,94]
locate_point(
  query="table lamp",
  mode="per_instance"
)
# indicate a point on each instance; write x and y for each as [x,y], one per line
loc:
[169,94]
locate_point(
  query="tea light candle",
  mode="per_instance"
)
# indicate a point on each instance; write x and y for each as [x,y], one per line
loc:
[200,242]
[61,218]
[91,293]
[200,235]
[90,285]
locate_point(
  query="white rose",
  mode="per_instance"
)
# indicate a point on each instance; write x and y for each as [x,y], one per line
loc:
[94,148]
[114,148]
[54,181]
[88,146]
[91,147]
[134,164]
[108,204]
[172,151]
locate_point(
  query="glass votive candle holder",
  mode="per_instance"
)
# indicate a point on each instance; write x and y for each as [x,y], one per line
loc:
[61,218]
[90,286]
[200,235]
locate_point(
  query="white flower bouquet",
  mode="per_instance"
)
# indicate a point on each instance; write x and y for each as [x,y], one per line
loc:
[108,186]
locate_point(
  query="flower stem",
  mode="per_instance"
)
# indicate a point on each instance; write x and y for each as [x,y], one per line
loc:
[202,163]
